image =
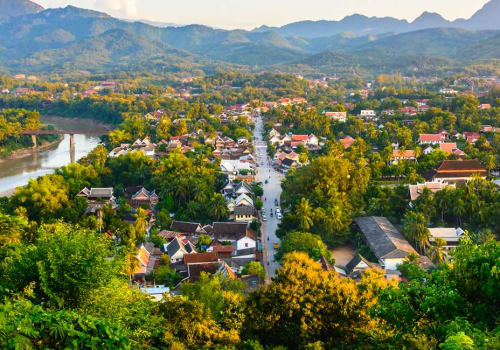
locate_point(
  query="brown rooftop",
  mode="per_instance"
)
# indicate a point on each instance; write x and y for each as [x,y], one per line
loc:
[197,258]
[461,165]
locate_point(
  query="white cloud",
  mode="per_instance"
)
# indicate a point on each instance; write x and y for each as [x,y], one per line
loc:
[120,8]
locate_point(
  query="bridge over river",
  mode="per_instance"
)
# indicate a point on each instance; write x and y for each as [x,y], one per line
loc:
[71,133]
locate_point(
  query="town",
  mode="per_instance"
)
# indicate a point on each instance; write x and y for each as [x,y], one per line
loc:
[156,194]
[376,180]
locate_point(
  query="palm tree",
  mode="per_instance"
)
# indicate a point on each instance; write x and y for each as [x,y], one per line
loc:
[218,206]
[415,229]
[459,209]
[304,213]
[183,190]
[436,252]
[132,262]
[100,219]
[412,258]
[141,222]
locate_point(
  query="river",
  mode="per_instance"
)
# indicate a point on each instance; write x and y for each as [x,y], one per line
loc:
[17,172]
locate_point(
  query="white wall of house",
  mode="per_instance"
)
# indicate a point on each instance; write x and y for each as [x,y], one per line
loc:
[313,141]
[391,264]
[245,243]
[177,257]
[361,266]
[244,218]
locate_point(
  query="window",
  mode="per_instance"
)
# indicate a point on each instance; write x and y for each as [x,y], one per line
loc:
[246,245]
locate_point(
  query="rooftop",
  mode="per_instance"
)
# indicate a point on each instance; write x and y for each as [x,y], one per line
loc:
[384,239]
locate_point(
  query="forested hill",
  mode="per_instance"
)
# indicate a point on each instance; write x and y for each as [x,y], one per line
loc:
[69,39]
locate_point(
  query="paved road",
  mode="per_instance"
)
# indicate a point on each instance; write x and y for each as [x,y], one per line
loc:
[272,191]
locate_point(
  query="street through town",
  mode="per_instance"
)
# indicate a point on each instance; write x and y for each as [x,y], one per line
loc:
[272,192]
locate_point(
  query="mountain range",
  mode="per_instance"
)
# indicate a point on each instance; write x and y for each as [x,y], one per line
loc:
[69,39]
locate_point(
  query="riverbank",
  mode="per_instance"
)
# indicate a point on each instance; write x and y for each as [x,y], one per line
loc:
[8,193]
[26,152]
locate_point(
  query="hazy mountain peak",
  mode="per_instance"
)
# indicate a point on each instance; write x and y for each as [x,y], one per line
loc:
[11,8]
[487,17]
[429,20]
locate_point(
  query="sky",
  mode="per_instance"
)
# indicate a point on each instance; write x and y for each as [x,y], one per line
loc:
[248,14]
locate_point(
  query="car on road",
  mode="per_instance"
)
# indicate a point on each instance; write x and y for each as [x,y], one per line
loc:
[276,245]
[266,182]
[264,217]
[278,216]
[276,203]
[278,211]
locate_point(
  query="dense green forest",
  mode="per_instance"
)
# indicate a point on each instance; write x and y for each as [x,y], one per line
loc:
[13,122]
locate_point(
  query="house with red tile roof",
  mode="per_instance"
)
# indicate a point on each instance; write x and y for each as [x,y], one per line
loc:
[399,155]
[451,148]
[347,141]
[471,137]
[457,171]
[433,139]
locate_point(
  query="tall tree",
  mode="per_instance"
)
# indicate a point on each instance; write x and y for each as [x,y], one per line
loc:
[304,214]
[436,251]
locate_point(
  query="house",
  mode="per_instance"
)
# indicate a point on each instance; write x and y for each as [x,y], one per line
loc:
[232,167]
[416,190]
[448,91]
[347,141]
[139,196]
[244,213]
[156,292]
[385,241]
[427,149]
[471,137]
[98,195]
[243,188]
[300,139]
[484,106]
[340,117]
[487,128]
[450,235]
[228,189]
[422,102]
[328,267]
[189,228]
[143,257]
[176,250]
[358,265]
[287,164]
[243,199]
[275,140]
[398,155]
[274,132]
[456,135]
[199,258]
[409,111]
[212,268]
[433,139]
[451,148]
[238,234]
[299,100]
[367,113]
[312,140]
[284,102]
[457,171]
[223,251]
